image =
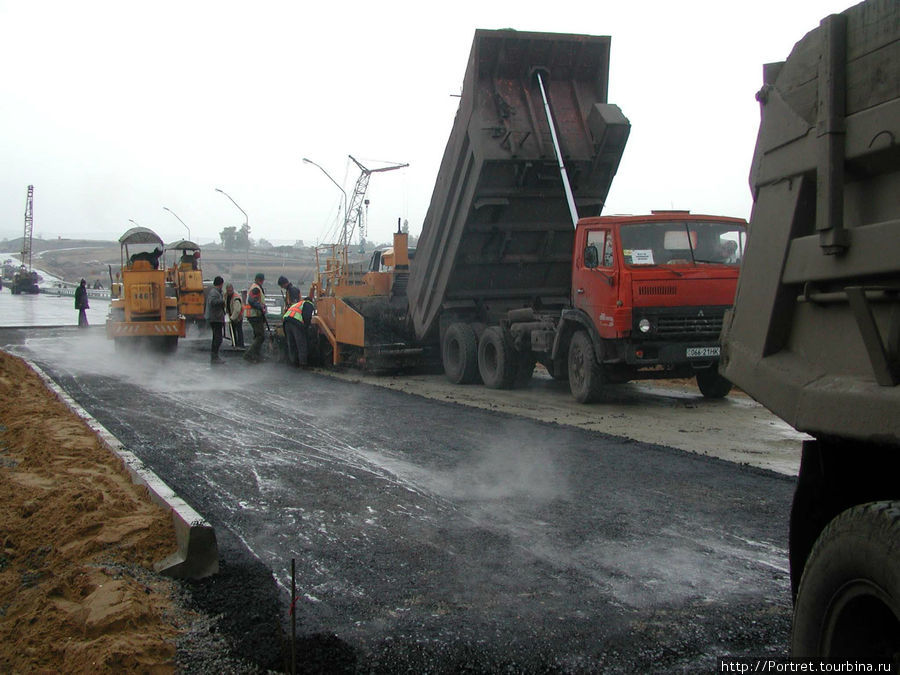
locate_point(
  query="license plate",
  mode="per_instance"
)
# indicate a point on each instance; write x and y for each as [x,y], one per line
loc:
[695,352]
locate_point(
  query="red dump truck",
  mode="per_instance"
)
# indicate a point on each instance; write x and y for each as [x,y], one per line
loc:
[815,332]
[513,265]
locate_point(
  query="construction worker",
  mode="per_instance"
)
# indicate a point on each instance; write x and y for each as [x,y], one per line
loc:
[81,303]
[234,310]
[291,292]
[297,320]
[215,317]
[256,315]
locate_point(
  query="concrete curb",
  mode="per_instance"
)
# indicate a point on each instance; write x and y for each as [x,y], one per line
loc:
[198,552]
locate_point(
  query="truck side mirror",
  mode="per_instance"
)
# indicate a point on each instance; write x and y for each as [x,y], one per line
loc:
[591,257]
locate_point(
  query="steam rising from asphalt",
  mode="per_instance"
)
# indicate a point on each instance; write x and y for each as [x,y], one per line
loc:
[92,354]
[506,468]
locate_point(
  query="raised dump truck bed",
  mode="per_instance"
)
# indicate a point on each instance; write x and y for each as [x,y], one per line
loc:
[498,232]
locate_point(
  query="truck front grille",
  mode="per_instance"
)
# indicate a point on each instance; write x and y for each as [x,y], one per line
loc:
[657,290]
[695,326]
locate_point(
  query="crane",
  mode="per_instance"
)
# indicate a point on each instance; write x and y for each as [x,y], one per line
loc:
[352,216]
[25,280]
[29,227]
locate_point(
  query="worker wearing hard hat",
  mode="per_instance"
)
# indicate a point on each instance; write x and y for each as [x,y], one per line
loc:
[297,320]
[256,315]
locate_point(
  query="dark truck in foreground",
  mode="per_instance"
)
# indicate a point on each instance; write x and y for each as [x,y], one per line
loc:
[815,330]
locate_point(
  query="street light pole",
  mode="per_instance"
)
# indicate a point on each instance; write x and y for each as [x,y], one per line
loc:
[247,226]
[309,161]
[131,221]
[166,208]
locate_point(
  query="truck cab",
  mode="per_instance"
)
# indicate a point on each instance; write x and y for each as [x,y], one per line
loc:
[651,291]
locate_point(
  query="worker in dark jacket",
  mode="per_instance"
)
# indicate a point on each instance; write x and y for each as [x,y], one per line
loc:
[81,304]
[291,292]
[256,315]
[215,317]
[297,320]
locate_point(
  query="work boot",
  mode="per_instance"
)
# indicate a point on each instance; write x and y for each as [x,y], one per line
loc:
[215,358]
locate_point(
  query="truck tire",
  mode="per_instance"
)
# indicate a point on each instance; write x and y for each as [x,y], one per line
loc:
[712,385]
[848,604]
[585,374]
[459,354]
[497,361]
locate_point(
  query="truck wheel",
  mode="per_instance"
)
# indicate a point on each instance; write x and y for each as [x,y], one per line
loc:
[496,360]
[585,374]
[848,605]
[459,354]
[712,385]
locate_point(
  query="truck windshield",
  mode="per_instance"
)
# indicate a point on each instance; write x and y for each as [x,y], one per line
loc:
[683,243]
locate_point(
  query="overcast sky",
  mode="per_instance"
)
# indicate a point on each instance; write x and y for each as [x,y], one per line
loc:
[116,110]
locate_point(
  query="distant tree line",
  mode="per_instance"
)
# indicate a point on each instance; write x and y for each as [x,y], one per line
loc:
[234,239]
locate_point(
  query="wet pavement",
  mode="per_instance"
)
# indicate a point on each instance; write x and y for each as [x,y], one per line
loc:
[432,536]
[44,310]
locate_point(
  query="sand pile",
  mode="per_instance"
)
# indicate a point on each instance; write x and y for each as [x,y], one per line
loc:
[77,545]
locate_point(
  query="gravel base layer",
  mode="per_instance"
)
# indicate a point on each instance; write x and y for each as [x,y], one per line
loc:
[239,626]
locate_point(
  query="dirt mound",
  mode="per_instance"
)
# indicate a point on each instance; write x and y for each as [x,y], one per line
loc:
[77,545]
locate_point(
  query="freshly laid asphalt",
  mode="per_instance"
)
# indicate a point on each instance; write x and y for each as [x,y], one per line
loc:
[432,537]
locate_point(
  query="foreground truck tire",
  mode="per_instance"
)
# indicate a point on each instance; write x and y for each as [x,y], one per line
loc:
[585,374]
[459,354]
[848,604]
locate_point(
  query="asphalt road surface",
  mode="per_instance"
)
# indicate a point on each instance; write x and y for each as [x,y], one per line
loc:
[430,536]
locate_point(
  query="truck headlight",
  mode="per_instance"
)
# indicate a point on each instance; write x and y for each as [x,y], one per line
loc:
[644,325]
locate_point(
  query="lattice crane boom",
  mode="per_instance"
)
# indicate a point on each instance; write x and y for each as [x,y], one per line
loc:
[357,199]
[29,228]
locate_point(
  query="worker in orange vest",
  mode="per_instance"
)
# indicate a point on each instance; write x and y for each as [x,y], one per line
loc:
[297,320]
[256,315]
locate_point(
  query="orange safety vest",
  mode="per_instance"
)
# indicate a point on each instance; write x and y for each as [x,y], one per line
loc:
[252,312]
[295,311]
